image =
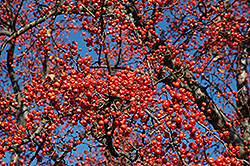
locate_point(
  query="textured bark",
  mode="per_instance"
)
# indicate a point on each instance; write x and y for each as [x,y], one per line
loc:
[243,92]
[20,112]
[216,118]
[5,33]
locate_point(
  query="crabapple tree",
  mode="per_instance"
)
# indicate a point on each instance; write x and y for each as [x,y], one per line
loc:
[124,82]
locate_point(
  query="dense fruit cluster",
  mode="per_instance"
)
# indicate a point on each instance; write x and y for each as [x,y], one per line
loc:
[124,82]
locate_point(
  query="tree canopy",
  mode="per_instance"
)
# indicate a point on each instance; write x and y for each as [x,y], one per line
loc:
[124,82]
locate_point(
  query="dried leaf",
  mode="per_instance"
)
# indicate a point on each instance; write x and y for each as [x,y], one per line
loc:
[215,59]
[211,54]
[221,71]
[50,77]
[49,32]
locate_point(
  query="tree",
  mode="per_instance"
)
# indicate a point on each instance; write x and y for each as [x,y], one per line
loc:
[153,82]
